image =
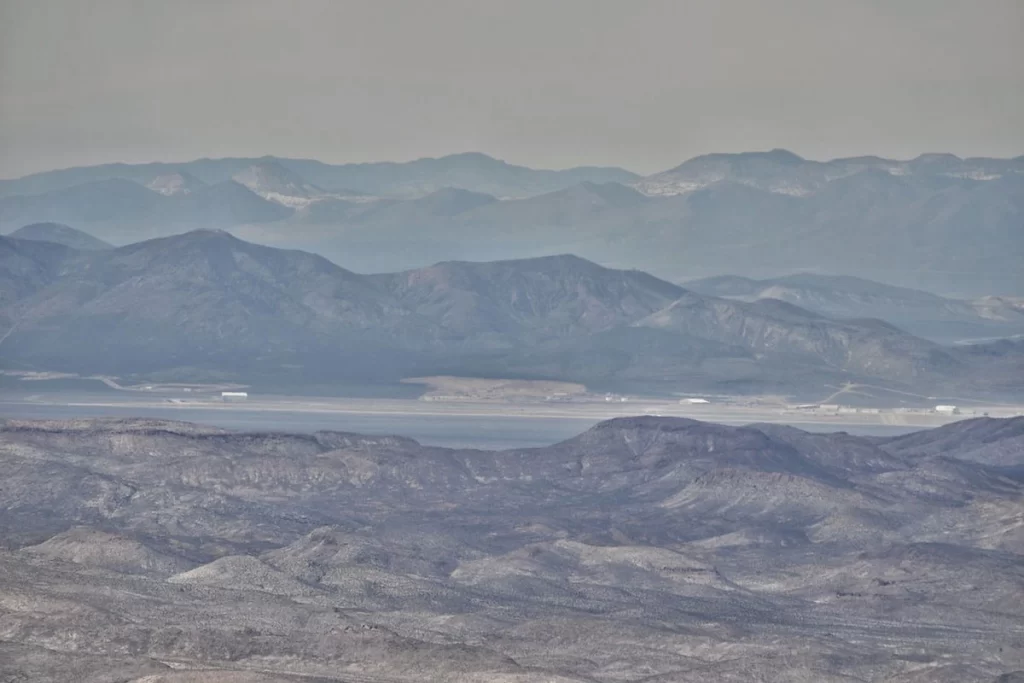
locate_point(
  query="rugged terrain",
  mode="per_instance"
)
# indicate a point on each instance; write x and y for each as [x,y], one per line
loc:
[645,549]
[937,222]
[207,305]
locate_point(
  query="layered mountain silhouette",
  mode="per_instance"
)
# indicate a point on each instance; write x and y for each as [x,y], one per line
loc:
[208,302]
[936,222]
[469,171]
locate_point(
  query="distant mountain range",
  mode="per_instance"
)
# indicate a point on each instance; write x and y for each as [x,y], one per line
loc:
[938,222]
[782,172]
[470,171]
[206,303]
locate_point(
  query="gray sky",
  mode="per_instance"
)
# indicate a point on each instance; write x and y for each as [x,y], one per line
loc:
[551,83]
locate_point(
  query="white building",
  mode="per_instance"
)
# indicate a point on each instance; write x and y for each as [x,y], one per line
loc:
[694,401]
[947,410]
[234,395]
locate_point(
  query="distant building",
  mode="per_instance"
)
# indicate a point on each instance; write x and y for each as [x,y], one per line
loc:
[830,407]
[947,410]
[233,395]
[694,401]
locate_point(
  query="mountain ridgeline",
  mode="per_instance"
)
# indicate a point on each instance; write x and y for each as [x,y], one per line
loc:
[59,233]
[921,313]
[206,303]
[937,222]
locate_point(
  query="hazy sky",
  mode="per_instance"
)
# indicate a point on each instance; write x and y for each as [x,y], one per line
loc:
[551,83]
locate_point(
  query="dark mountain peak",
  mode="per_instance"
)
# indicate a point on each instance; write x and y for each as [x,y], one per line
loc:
[869,159]
[781,156]
[59,233]
[200,235]
[185,249]
[477,160]
[774,156]
[936,157]
[503,278]
[570,261]
[660,442]
[569,268]
[643,432]
[221,250]
[451,201]
[471,156]
[529,300]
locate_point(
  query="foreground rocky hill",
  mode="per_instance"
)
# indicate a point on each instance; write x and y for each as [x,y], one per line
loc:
[645,549]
